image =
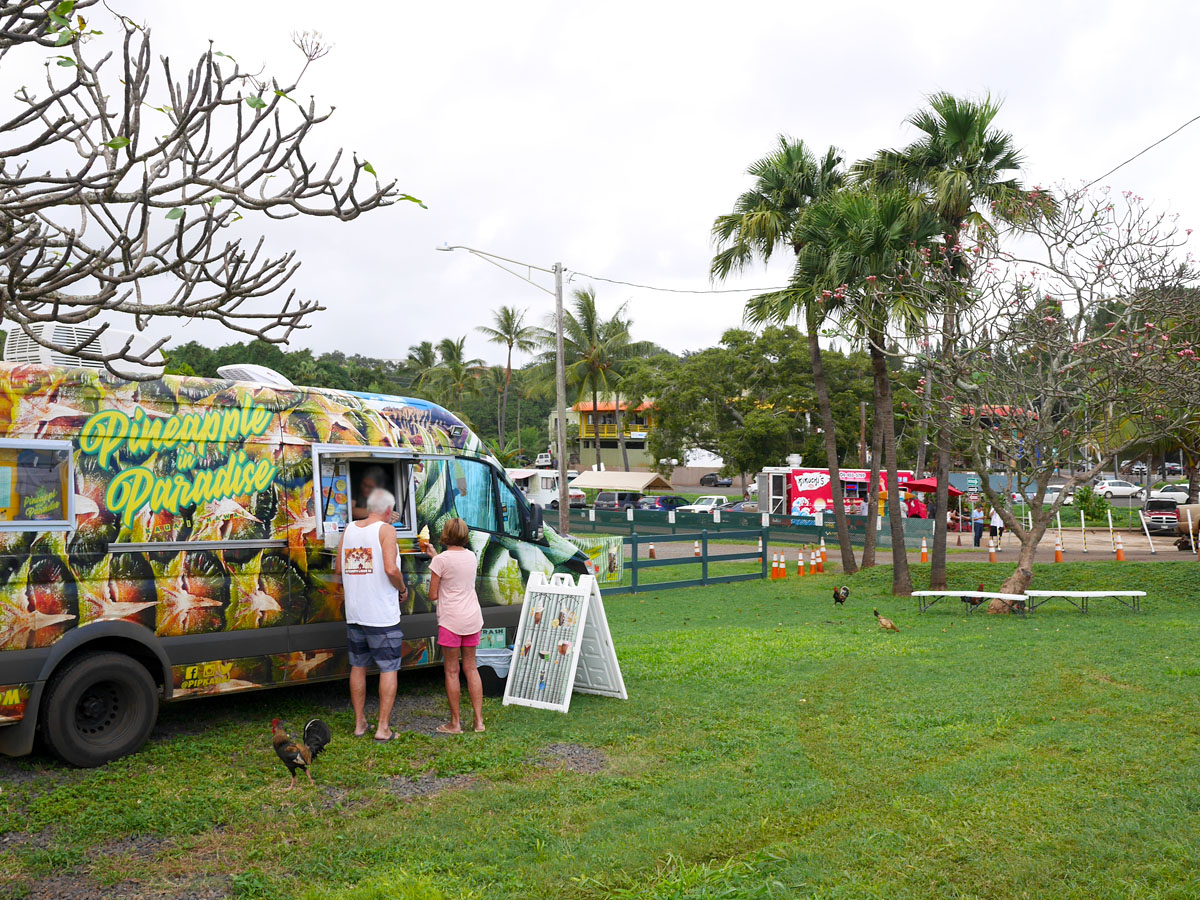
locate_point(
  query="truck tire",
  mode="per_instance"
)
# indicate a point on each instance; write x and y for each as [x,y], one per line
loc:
[98,708]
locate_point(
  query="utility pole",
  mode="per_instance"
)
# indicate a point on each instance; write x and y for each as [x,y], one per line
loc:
[862,434]
[560,389]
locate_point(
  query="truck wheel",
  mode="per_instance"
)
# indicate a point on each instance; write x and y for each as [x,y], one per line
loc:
[99,708]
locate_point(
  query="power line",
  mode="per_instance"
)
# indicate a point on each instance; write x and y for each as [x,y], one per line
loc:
[1141,152]
[650,287]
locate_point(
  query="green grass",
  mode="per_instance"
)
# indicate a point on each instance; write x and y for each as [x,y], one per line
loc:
[772,746]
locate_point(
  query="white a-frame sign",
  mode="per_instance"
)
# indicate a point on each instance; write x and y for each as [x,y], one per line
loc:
[563,644]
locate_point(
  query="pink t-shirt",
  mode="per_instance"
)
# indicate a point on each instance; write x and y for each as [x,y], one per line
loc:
[457,603]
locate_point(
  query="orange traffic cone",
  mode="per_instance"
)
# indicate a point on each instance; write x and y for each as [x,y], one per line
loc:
[760,550]
[991,549]
[812,569]
[924,551]
[820,563]
[1120,548]
[695,548]
[824,555]
[774,566]
[783,564]
[800,563]
[652,556]
[1058,550]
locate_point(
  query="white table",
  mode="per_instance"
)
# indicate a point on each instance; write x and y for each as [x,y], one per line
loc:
[928,598]
[1079,599]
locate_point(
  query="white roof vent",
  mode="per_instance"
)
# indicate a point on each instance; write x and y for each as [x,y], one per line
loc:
[253,373]
[20,348]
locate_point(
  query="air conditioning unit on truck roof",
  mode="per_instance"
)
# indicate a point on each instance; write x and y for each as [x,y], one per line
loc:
[21,348]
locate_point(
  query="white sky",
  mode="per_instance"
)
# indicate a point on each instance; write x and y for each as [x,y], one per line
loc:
[608,136]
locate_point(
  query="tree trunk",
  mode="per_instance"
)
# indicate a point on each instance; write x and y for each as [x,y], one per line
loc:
[504,402]
[868,557]
[849,566]
[937,568]
[621,433]
[1022,576]
[923,429]
[596,425]
[885,414]
[520,449]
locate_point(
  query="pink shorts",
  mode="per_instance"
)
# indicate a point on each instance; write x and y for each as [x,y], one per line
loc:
[447,638]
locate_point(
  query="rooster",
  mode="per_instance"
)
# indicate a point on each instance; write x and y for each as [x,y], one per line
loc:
[974,601]
[841,595]
[300,754]
[885,623]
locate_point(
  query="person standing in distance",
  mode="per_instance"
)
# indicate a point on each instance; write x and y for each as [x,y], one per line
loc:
[460,620]
[977,522]
[368,565]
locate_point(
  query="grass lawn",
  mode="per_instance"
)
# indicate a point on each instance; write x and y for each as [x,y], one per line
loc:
[772,746]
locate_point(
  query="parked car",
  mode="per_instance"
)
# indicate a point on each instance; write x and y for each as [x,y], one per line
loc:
[1172,468]
[706,504]
[712,479]
[543,461]
[746,506]
[662,502]
[1162,516]
[572,474]
[1051,496]
[1138,468]
[1114,487]
[1176,492]
[617,499]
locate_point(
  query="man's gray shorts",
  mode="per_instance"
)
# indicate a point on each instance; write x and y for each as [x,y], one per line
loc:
[379,644]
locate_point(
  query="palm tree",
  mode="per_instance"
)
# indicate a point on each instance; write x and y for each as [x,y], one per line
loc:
[786,182]
[594,353]
[421,361]
[508,328]
[958,165]
[455,376]
[857,246]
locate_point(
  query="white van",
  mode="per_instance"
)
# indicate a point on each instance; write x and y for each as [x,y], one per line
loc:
[540,486]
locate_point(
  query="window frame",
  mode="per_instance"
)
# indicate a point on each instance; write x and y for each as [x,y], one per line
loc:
[360,453]
[67,524]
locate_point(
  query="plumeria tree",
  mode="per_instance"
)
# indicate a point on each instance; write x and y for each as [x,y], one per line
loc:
[1034,377]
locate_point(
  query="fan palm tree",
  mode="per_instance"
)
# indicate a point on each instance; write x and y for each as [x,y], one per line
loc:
[508,329]
[764,219]
[959,166]
[594,353]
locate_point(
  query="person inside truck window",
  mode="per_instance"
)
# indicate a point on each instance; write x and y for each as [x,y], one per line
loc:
[40,484]
[372,477]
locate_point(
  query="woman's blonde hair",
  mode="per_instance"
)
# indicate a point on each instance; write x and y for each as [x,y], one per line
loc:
[455,532]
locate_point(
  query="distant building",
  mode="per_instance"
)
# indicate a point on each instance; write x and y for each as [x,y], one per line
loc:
[600,424]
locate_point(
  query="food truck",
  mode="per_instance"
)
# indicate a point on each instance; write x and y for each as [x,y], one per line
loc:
[168,539]
[808,492]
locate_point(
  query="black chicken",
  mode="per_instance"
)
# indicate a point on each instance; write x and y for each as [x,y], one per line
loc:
[841,595]
[300,754]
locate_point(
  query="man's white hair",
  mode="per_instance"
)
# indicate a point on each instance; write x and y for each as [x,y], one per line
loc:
[380,502]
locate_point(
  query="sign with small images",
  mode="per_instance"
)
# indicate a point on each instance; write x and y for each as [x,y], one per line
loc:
[563,645]
[605,553]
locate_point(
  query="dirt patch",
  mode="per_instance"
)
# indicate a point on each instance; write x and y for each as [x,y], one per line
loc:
[415,786]
[141,847]
[573,758]
[1108,679]
[192,889]
[39,840]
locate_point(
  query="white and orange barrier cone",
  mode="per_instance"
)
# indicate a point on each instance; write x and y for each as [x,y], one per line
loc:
[991,549]
[1058,550]
[924,551]
[800,563]
[695,548]
[652,556]
[1120,548]
[774,566]
[824,554]
[760,550]
[820,559]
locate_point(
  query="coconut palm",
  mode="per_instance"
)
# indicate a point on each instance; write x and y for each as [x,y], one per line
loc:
[765,219]
[421,361]
[455,376]
[960,166]
[508,329]
[594,353]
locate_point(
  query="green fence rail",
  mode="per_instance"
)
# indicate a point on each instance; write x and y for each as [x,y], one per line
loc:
[781,529]
[636,563]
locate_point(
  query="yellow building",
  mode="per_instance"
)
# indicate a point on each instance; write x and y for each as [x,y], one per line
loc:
[599,423]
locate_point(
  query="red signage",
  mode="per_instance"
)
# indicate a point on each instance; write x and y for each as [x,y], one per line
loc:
[811,487]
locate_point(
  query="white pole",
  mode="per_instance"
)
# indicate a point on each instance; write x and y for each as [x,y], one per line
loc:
[560,402]
[1111,535]
[1146,528]
[1191,534]
[1058,518]
[1083,530]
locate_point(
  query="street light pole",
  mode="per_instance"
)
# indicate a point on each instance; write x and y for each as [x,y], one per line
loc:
[560,390]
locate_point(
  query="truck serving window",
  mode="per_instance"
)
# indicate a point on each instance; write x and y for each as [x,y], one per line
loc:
[36,485]
[347,477]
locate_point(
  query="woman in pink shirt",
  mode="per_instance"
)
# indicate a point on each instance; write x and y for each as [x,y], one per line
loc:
[460,620]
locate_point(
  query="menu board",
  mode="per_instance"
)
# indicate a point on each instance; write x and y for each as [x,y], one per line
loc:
[335,493]
[563,645]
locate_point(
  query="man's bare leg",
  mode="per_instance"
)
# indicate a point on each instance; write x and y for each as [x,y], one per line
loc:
[387,697]
[358,698]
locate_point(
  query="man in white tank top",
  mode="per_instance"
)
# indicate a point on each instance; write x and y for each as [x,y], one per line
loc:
[373,586]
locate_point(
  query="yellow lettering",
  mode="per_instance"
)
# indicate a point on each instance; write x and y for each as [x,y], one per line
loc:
[264,474]
[103,434]
[229,425]
[128,492]
[11,697]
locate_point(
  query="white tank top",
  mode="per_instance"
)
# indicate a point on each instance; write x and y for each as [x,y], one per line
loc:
[370,597]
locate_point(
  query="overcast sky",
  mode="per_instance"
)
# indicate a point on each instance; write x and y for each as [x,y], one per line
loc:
[608,136]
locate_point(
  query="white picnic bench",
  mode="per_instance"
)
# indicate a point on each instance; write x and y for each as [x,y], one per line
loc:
[1031,600]
[928,598]
[1079,599]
